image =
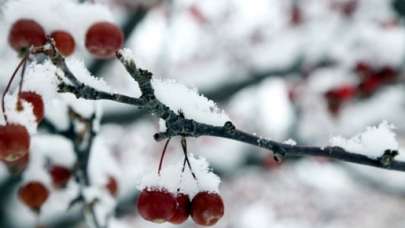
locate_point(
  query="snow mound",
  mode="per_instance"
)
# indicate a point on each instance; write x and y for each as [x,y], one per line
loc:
[372,142]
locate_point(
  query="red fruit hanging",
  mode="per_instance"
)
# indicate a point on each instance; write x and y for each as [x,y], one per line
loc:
[24,33]
[182,210]
[207,208]
[112,186]
[64,42]
[36,102]
[60,175]
[33,194]
[14,142]
[156,205]
[103,39]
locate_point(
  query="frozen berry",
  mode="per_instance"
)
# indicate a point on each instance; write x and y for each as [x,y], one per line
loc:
[112,186]
[24,33]
[33,194]
[64,42]
[36,102]
[207,208]
[156,205]
[103,39]
[182,210]
[60,175]
[14,142]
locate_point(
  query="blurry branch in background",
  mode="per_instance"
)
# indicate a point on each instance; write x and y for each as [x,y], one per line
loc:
[177,125]
[81,133]
[134,18]
[374,182]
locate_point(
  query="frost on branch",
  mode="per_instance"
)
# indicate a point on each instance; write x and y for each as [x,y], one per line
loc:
[372,142]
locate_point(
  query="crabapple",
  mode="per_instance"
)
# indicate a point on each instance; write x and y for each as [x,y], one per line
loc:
[64,42]
[182,210]
[207,208]
[156,205]
[112,186]
[36,102]
[14,142]
[60,175]
[33,194]
[24,33]
[103,39]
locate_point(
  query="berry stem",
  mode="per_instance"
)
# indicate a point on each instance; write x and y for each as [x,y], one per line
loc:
[163,155]
[22,62]
[184,146]
[24,66]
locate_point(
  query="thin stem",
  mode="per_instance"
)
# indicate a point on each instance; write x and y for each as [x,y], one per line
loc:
[163,155]
[184,146]
[23,60]
[24,66]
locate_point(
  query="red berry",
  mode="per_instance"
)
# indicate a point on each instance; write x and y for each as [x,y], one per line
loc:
[182,210]
[64,42]
[207,208]
[337,96]
[387,74]
[363,69]
[36,102]
[198,15]
[112,186]
[103,39]
[370,85]
[14,142]
[24,33]
[296,15]
[17,166]
[60,176]
[33,194]
[156,205]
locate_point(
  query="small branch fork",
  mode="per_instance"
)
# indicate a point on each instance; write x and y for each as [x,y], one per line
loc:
[178,125]
[82,139]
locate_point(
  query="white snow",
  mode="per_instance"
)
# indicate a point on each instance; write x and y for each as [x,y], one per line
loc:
[193,105]
[41,79]
[290,142]
[372,142]
[24,117]
[179,97]
[172,178]
[80,71]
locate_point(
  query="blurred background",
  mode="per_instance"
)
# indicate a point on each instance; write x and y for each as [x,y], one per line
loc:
[300,69]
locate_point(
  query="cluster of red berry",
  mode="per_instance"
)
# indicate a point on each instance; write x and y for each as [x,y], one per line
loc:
[102,39]
[371,79]
[158,205]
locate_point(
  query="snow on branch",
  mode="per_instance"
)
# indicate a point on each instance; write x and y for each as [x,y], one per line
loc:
[183,118]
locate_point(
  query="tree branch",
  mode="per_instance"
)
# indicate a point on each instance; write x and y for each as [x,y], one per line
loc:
[177,125]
